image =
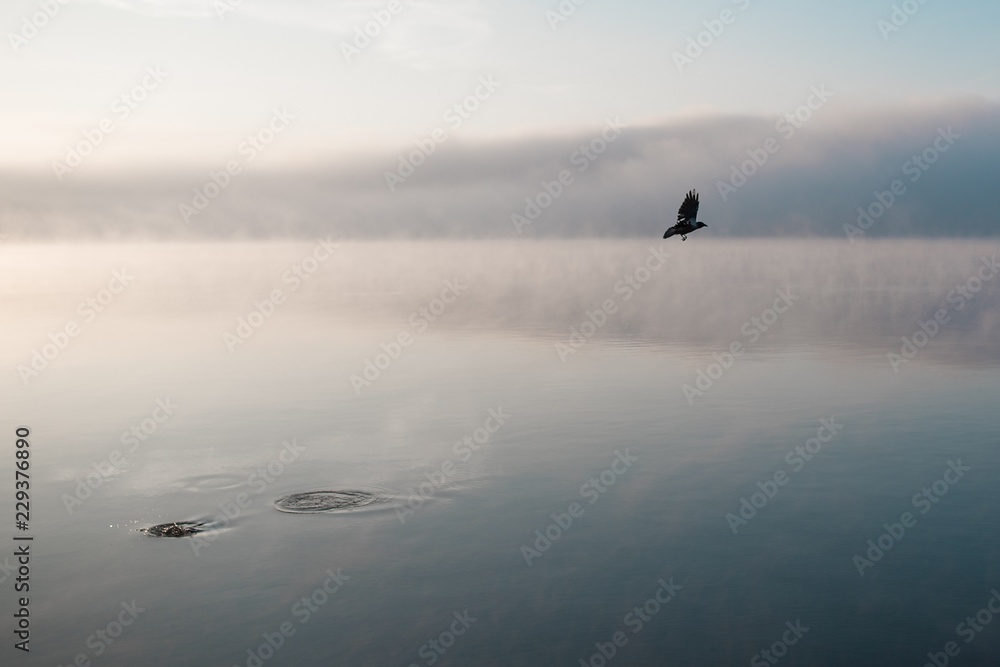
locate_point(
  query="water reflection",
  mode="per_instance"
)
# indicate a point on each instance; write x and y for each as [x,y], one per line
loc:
[280,414]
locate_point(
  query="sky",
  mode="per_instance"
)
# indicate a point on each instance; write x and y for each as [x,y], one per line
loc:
[116,112]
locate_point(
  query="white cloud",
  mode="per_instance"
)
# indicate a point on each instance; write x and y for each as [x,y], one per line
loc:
[436,34]
[163,8]
[424,35]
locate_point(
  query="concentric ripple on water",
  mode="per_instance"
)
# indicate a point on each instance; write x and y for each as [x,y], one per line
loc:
[343,500]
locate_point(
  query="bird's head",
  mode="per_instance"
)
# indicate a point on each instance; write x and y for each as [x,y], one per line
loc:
[699,225]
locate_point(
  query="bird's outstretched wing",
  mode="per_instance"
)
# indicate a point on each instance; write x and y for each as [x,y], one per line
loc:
[689,209]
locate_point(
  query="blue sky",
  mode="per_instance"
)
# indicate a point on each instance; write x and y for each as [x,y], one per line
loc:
[226,74]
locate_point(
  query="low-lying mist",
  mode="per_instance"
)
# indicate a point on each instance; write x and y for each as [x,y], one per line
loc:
[819,173]
[703,293]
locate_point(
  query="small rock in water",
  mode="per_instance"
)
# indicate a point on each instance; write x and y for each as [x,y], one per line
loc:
[176,529]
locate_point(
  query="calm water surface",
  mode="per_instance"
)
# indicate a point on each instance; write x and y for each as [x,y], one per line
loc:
[549,479]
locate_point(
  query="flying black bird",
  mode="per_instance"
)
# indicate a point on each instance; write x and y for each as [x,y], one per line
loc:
[686,222]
